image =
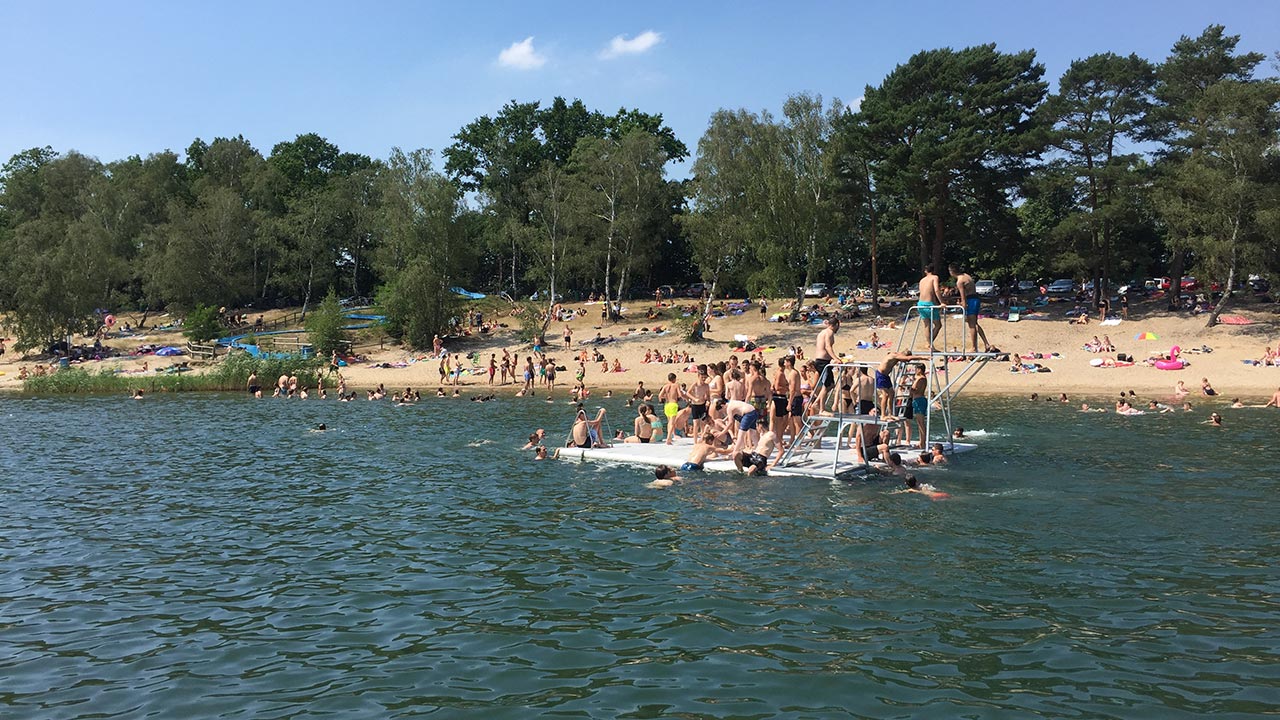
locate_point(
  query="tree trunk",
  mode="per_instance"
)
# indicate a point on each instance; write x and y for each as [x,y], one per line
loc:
[1231,278]
[921,232]
[939,226]
[1176,266]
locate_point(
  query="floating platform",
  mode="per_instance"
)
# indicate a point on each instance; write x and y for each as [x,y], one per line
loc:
[825,463]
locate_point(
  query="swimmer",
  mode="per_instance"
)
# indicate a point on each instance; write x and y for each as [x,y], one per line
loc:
[929,491]
[1159,407]
[137,394]
[540,453]
[664,476]
[1235,403]
[535,439]
[1214,419]
[939,458]
[698,455]
[757,462]
[320,427]
[1186,407]
[959,433]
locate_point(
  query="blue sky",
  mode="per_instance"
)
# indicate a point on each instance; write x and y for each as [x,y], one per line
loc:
[111,79]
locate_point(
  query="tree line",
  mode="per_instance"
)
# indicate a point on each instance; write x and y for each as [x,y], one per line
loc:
[1125,169]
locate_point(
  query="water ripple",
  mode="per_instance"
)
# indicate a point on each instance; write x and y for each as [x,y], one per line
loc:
[208,556]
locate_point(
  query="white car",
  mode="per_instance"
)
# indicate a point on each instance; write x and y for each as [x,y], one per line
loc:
[985,287]
[816,290]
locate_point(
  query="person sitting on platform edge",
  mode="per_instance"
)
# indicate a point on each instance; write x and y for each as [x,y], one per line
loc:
[698,455]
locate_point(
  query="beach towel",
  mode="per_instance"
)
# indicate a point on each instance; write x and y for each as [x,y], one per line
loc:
[1110,321]
[1234,320]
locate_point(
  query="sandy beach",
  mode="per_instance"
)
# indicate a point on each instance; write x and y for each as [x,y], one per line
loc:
[1060,344]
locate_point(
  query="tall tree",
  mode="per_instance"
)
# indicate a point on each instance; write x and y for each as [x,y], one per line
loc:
[720,222]
[1220,201]
[1193,67]
[1098,109]
[620,192]
[957,133]
[422,247]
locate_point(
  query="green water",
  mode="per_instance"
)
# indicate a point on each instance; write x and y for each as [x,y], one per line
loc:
[207,556]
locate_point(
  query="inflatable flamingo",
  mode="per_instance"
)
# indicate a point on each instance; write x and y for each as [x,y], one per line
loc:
[1173,363]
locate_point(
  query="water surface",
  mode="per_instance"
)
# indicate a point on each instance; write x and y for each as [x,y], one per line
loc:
[207,556]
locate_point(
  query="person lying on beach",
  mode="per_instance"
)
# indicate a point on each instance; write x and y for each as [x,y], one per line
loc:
[756,463]
[915,486]
[701,450]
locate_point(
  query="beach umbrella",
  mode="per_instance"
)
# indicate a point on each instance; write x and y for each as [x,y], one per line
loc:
[1146,336]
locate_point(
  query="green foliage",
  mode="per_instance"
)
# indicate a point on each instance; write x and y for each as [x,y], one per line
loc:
[202,324]
[324,327]
[418,304]
[231,374]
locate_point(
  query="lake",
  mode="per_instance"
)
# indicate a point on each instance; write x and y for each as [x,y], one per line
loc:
[208,556]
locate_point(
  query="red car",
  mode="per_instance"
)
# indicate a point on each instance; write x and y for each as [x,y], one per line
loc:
[1190,283]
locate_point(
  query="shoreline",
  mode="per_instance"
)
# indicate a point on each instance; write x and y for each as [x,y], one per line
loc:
[627,343]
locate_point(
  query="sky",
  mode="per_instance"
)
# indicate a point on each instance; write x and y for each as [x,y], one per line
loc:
[113,79]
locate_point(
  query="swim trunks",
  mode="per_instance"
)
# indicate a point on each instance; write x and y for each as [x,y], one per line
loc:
[690,467]
[797,406]
[972,304]
[920,405]
[928,310]
[828,379]
[883,382]
[865,407]
[780,407]
[907,412]
[697,411]
[760,462]
[759,402]
[671,409]
[749,420]
[646,439]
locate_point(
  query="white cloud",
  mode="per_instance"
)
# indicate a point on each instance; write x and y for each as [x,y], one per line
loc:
[855,104]
[522,56]
[620,45]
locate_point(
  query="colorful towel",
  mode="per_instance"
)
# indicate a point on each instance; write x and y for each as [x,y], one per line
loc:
[1234,320]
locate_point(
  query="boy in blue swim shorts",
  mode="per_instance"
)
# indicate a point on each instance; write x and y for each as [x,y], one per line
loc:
[972,303]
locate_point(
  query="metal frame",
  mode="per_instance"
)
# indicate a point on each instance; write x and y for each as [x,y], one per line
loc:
[944,385]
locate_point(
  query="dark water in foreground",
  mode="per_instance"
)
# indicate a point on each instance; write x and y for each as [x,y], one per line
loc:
[207,556]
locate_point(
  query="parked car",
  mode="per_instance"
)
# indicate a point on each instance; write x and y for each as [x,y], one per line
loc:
[1190,283]
[816,290]
[1062,286]
[1027,286]
[986,287]
[1257,283]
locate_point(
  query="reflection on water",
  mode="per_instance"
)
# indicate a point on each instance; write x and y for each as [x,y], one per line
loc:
[211,557]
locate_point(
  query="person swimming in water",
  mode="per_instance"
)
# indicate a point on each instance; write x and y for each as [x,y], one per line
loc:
[913,485]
